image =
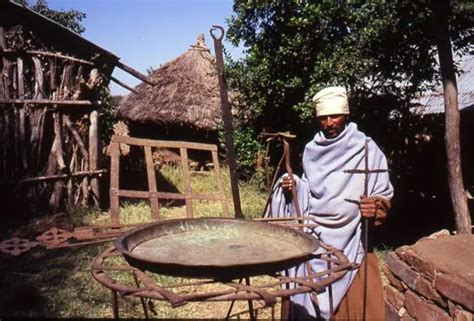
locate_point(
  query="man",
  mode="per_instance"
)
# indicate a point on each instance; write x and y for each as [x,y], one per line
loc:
[335,200]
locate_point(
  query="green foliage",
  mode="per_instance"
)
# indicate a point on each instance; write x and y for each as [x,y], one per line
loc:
[384,52]
[71,19]
[247,145]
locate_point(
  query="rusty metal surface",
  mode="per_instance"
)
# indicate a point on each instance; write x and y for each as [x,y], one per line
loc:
[215,247]
[107,270]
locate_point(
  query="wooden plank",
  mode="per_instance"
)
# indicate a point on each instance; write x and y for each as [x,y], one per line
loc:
[187,181]
[166,195]
[57,103]
[94,155]
[220,186]
[114,183]
[150,170]
[162,143]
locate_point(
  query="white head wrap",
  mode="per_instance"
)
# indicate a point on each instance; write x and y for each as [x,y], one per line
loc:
[331,101]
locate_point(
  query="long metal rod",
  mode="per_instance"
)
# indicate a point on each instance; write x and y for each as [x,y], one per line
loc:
[366,231]
[227,120]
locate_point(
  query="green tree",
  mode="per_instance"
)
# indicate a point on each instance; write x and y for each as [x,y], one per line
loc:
[376,48]
[71,19]
[384,52]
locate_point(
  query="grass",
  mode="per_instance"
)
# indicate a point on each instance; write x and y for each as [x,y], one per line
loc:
[58,283]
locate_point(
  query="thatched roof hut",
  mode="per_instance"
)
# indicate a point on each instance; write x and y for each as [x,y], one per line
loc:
[186,96]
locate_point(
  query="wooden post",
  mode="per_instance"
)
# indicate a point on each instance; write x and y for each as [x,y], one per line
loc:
[5,75]
[22,128]
[441,10]
[114,183]
[187,181]
[150,170]
[94,155]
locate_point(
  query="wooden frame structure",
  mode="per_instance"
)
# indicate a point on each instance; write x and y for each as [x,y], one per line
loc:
[153,194]
[52,82]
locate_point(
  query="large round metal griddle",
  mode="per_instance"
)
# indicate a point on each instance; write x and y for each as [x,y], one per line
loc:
[215,248]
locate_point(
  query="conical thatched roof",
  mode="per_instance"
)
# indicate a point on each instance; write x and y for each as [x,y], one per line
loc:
[187,93]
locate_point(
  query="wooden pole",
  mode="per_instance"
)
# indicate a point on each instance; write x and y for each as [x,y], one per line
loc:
[94,155]
[227,119]
[118,82]
[135,73]
[441,10]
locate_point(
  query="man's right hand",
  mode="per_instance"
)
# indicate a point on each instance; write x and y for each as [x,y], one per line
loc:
[287,183]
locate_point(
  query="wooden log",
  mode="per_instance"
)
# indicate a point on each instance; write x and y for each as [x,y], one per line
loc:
[14,80]
[135,73]
[78,84]
[16,142]
[65,89]
[39,80]
[55,103]
[52,78]
[37,120]
[21,95]
[48,54]
[42,179]
[2,48]
[21,84]
[7,143]
[56,159]
[124,85]
[5,76]
[70,186]
[94,154]
[114,183]
[56,196]
[78,139]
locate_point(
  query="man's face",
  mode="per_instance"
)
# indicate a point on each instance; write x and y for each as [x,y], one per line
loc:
[332,125]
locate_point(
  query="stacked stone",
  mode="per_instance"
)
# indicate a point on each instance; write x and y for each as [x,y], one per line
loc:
[431,280]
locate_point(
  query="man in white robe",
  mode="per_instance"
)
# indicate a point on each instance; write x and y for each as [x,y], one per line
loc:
[333,198]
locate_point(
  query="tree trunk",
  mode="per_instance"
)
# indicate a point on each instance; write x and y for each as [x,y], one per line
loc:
[452,117]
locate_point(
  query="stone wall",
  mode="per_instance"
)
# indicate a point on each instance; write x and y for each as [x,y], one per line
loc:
[431,280]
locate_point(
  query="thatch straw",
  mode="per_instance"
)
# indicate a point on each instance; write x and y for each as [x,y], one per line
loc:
[187,93]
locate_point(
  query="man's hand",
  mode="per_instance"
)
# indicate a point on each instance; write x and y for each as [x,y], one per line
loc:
[287,183]
[368,207]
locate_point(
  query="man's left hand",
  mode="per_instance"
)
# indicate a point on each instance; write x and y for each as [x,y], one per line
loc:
[367,206]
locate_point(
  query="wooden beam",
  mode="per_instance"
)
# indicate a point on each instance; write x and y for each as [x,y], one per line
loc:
[162,143]
[118,82]
[54,177]
[48,102]
[135,73]
[48,54]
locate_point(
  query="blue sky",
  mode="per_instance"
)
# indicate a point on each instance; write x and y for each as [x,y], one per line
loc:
[147,33]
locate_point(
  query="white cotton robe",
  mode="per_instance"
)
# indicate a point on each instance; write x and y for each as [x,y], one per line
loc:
[323,193]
